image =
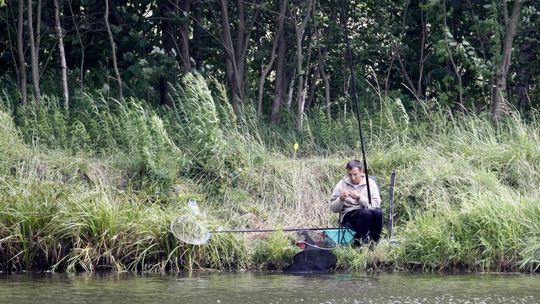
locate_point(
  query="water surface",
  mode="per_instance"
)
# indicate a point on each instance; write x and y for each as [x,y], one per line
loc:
[247,288]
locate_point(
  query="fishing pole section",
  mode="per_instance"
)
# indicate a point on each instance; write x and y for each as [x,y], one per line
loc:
[189,228]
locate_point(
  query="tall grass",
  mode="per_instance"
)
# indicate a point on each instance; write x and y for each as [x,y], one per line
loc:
[471,199]
[98,187]
[68,227]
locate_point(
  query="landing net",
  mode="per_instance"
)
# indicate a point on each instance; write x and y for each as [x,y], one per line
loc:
[188,230]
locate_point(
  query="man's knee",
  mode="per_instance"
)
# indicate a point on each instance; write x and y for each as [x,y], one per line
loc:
[377,213]
[364,215]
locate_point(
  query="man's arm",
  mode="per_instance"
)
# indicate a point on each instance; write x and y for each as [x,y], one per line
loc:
[375,195]
[336,204]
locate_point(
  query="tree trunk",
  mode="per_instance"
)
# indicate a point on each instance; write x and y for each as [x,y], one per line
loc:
[245,28]
[235,60]
[526,56]
[240,41]
[313,83]
[300,29]
[113,50]
[167,42]
[196,50]
[326,81]
[423,56]
[33,55]
[498,102]
[83,47]
[62,54]
[20,53]
[452,61]
[38,28]
[184,37]
[230,57]
[265,70]
[279,89]
[398,50]
[290,77]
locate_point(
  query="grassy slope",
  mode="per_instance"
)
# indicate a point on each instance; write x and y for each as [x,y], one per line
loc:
[98,189]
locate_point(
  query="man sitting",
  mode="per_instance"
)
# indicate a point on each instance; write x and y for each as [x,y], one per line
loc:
[350,198]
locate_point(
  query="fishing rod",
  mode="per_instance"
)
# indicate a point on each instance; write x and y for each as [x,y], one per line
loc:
[274,230]
[355,95]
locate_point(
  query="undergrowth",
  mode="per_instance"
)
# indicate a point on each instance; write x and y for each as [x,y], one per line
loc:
[96,188]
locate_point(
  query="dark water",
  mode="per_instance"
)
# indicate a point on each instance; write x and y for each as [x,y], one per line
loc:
[247,288]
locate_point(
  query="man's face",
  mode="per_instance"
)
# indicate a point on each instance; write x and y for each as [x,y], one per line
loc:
[355,175]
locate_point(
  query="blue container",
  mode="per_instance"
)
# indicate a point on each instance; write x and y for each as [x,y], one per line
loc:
[342,236]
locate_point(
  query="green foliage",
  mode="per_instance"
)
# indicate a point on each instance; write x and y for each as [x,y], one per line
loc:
[352,259]
[416,48]
[28,226]
[198,121]
[11,145]
[145,70]
[530,248]
[130,129]
[487,232]
[363,259]
[101,184]
[61,226]
[198,124]
[275,252]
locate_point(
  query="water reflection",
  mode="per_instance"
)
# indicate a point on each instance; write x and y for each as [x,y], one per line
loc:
[267,288]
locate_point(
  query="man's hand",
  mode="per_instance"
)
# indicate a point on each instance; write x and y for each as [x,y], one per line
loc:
[354,194]
[344,195]
[362,201]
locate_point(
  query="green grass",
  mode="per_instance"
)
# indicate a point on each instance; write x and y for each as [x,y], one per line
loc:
[381,258]
[96,189]
[274,252]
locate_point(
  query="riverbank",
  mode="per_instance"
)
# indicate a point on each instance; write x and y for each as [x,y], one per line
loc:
[98,190]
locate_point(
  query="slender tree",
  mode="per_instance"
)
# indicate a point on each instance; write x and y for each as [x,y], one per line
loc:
[39,8]
[34,64]
[82,45]
[230,57]
[282,5]
[320,68]
[184,32]
[61,53]
[280,79]
[453,64]
[301,19]
[113,50]
[236,50]
[499,89]
[524,76]
[168,40]
[20,53]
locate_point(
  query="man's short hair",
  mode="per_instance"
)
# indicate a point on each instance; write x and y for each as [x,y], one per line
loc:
[354,164]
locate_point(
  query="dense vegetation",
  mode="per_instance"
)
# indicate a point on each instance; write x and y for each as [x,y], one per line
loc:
[467,193]
[135,119]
